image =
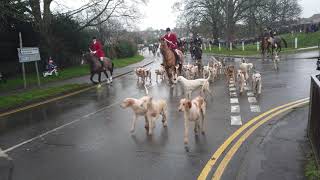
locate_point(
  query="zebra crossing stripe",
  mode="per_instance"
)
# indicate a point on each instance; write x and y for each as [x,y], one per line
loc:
[252,100]
[235,109]
[255,108]
[234,100]
[236,120]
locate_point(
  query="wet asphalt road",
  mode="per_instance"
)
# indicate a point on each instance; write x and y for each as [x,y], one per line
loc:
[95,142]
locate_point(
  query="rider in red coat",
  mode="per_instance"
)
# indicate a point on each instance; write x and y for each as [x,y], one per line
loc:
[172,42]
[96,48]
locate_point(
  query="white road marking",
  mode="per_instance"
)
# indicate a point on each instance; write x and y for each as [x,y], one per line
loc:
[233,94]
[247,88]
[249,93]
[235,109]
[231,82]
[232,89]
[234,100]
[236,120]
[252,100]
[255,108]
[231,85]
[58,128]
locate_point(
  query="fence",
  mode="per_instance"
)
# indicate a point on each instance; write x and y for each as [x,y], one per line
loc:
[314,116]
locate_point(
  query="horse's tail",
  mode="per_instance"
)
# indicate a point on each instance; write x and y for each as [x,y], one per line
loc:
[285,42]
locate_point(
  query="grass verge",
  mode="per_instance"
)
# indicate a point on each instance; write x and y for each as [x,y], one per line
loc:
[311,171]
[35,95]
[304,40]
[119,63]
[67,73]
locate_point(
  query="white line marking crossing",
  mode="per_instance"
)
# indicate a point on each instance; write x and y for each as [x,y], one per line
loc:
[252,100]
[255,108]
[232,89]
[234,100]
[249,93]
[233,94]
[235,109]
[236,120]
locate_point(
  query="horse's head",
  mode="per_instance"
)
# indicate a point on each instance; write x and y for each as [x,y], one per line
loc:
[86,57]
[163,44]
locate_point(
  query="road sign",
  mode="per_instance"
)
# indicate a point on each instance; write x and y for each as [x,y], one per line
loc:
[28,54]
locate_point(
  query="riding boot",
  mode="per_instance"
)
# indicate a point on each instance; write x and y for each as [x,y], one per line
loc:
[177,57]
[102,65]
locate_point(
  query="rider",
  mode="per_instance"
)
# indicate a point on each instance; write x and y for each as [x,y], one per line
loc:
[196,40]
[171,39]
[96,48]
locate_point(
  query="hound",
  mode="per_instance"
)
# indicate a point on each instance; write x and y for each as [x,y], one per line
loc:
[194,110]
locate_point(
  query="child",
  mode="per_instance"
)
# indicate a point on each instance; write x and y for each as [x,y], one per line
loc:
[51,65]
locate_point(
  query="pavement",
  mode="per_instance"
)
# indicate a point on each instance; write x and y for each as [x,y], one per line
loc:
[86,136]
[278,151]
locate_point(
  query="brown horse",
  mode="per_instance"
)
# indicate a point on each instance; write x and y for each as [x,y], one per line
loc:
[96,67]
[169,61]
[265,47]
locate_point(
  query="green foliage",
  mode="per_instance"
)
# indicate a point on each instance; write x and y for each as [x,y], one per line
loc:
[126,49]
[118,63]
[36,94]
[311,171]
[66,43]
[304,39]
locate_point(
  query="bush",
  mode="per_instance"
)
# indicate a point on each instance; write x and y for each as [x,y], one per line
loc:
[66,43]
[126,49]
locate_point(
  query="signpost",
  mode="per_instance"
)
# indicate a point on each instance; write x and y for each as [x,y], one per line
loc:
[28,54]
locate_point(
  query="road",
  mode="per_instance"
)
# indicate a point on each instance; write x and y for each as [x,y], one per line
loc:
[87,136]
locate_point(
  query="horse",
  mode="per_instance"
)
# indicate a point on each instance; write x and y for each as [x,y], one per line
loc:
[169,60]
[276,44]
[96,68]
[265,47]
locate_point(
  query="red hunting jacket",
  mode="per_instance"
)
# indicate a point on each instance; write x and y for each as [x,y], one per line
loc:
[98,48]
[173,38]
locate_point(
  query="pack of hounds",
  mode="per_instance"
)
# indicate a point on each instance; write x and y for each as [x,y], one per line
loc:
[190,80]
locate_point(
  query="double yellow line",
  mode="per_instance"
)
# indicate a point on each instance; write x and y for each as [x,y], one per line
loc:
[261,119]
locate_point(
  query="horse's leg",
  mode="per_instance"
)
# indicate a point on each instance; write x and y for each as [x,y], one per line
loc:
[99,77]
[169,75]
[106,74]
[111,71]
[91,79]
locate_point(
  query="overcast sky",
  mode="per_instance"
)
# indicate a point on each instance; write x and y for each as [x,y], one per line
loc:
[158,14]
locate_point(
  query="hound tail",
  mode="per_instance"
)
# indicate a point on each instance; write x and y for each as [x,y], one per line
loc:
[206,84]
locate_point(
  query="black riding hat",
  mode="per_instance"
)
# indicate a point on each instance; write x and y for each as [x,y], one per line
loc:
[168,29]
